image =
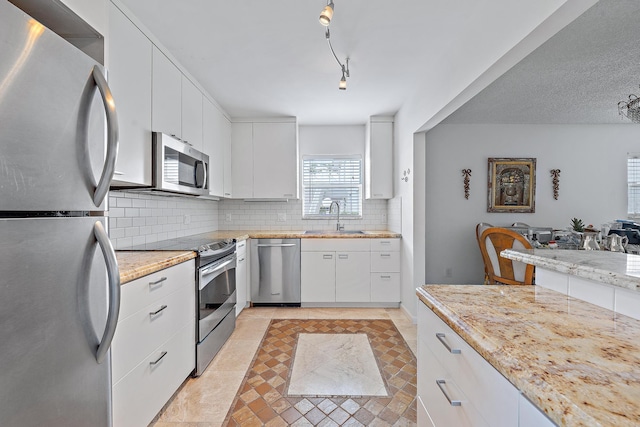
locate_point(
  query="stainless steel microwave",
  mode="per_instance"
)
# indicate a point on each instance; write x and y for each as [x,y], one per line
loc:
[178,167]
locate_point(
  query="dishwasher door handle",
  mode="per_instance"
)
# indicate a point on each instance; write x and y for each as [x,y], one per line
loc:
[276,245]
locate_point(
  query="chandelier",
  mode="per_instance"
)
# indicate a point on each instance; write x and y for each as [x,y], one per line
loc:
[630,109]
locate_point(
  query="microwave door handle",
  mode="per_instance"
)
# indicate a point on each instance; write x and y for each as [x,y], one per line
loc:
[113,275]
[204,169]
[112,137]
[204,172]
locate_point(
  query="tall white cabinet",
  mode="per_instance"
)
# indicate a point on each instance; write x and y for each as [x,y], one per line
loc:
[265,160]
[130,64]
[167,93]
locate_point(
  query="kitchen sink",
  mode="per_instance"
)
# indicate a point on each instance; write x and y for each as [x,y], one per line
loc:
[334,232]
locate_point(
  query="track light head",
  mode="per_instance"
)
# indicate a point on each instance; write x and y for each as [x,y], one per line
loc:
[327,14]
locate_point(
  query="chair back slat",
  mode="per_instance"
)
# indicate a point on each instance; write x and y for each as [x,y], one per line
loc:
[494,240]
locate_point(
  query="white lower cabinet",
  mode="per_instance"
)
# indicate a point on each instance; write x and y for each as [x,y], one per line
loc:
[241,276]
[350,271]
[153,350]
[457,386]
[530,416]
[353,278]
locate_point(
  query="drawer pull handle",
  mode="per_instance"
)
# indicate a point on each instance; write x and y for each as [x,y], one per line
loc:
[163,354]
[385,255]
[153,313]
[327,256]
[241,259]
[440,337]
[385,242]
[385,277]
[451,402]
[343,256]
[157,282]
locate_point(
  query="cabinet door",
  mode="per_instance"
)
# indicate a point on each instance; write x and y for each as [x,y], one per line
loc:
[530,416]
[318,276]
[225,137]
[167,93]
[212,145]
[275,160]
[353,277]
[191,114]
[130,82]
[241,276]
[242,160]
[379,161]
[385,287]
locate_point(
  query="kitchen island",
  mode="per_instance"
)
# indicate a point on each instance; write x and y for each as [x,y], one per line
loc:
[576,362]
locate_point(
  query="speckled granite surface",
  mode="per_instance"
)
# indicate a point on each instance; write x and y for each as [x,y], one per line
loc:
[136,264]
[612,268]
[577,362]
[265,234]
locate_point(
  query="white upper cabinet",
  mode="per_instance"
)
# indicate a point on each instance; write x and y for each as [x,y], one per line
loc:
[226,149]
[215,135]
[265,160]
[130,64]
[379,158]
[242,160]
[191,114]
[167,93]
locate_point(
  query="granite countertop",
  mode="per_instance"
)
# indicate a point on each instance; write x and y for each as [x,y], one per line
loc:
[300,234]
[136,264]
[612,268]
[578,363]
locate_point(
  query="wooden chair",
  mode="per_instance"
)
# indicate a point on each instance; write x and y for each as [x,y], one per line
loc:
[494,240]
[485,259]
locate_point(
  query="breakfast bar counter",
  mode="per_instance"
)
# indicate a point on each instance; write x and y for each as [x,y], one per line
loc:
[576,362]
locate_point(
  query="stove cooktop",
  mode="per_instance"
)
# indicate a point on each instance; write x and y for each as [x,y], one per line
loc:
[196,242]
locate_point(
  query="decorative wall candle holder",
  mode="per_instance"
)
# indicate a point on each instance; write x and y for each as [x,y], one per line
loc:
[555,174]
[466,173]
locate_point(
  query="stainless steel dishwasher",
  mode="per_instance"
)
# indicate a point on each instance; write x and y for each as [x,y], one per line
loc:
[275,272]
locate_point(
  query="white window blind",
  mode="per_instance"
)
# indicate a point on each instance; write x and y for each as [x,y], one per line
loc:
[633,184]
[328,179]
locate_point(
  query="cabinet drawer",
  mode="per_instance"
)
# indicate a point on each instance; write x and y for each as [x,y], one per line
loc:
[137,335]
[241,247]
[139,396]
[148,289]
[385,287]
[339,244]
[440,410]
[385,261]
[494,396]
[383,245]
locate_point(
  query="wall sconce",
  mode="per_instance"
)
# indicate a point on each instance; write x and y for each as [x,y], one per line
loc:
[466,173]
[325,19]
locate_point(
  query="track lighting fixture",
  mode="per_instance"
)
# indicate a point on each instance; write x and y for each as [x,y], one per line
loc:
[327,14]
[325,19]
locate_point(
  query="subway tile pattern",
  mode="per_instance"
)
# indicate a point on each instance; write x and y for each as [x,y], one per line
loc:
[263,400]
[136,218]
[287,216]
[394,214]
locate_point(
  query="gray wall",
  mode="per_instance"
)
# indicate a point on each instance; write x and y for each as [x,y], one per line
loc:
[592,159]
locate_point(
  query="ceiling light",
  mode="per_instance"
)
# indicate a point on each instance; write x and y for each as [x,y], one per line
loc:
[630,109]
[343,83]
[327,14]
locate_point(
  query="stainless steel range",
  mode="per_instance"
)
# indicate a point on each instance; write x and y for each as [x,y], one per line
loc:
[215,290]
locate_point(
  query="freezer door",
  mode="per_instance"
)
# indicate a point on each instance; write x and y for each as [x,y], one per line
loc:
[53,120]
[53,310]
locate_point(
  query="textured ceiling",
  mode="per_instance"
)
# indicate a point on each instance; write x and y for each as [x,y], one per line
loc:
[577,76]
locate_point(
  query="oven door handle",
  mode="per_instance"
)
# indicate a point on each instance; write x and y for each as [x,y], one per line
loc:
[212,270]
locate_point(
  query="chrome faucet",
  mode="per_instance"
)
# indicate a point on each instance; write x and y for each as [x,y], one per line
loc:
[338,227]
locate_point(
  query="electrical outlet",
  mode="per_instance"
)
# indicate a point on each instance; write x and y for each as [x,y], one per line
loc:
[282,216]
[448,272]
[227,218]
[384,218]
[186,219]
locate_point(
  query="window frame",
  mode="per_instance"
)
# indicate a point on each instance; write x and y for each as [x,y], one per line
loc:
[360,186]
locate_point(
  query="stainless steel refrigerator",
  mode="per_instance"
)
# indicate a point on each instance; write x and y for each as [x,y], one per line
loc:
[59,284]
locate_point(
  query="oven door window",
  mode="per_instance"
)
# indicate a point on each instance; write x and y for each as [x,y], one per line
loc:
[217,295]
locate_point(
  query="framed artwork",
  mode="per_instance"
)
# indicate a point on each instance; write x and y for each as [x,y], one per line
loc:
[512,185]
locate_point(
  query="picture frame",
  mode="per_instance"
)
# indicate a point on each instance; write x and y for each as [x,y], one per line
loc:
[512,185]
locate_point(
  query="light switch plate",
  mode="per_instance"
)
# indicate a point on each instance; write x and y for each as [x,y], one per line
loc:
[282,216]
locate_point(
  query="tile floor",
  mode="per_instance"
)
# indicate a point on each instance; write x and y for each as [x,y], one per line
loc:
[231,385]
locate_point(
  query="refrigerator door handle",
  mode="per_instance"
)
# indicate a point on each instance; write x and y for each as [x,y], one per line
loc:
[112,137]
[113,274]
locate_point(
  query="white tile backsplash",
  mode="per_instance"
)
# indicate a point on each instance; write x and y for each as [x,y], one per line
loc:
[137,218]
[140,217]
[394,214]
